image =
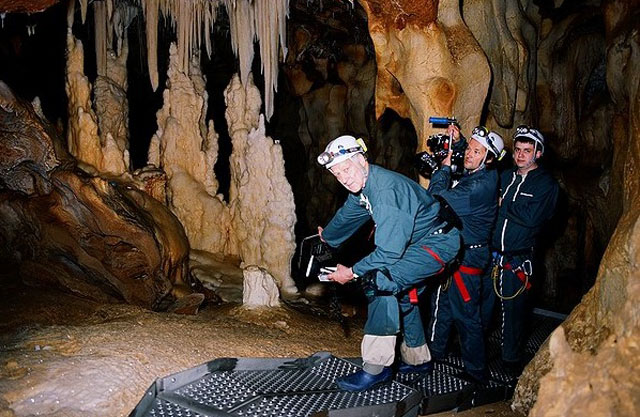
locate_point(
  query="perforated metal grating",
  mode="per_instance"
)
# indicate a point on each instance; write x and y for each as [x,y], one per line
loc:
[273,388]
[163,408]
[306,387]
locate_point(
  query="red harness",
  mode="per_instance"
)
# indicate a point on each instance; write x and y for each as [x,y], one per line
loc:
[457,278]
[519,272]
[413,292]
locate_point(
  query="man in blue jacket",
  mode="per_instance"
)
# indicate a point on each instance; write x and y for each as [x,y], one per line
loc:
[474,199]
[412,242]
[528,195]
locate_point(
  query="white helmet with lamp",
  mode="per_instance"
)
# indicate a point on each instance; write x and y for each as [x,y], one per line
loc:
[340,149]
[492,141]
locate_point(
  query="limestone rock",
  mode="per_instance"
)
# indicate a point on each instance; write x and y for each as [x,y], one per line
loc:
[95,237]
[595,363]
[259,288]
[24,163]
[509,39]
[105,149]
[261,200]
[187,150]
[429,63]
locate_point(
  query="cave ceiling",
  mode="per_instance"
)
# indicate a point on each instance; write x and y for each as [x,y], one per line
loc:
[25,6]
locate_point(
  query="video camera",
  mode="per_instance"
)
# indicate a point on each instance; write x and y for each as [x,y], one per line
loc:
[439,146]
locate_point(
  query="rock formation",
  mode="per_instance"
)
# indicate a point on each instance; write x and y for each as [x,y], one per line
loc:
[261,200]
[508,38]
[593,359]
[104,148]
[95,237]
[429,63]
[259,289]
[186,148]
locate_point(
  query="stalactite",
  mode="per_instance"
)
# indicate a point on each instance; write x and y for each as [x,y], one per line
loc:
[121,18]
[150,10]
[241,22]
[250,20]
[100,23]
[83,9]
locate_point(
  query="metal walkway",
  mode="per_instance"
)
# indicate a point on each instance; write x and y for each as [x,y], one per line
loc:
[306,387]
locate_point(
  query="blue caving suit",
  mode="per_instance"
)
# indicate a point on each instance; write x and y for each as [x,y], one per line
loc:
[526,203]
[407,226]
[474,199]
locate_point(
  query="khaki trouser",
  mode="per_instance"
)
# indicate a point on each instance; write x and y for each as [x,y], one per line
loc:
[379,351]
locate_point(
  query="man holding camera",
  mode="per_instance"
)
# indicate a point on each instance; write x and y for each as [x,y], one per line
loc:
[474,199]
[528,197]
[412,242]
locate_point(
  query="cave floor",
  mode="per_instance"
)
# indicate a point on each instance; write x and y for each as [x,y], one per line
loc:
[62,355]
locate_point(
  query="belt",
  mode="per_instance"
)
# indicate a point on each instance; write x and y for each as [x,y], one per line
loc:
[476,246]
[520,273]
[444,229]
[518,252]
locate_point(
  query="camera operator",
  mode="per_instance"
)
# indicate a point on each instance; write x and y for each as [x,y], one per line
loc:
[412,243]
[474,199]
[528,197]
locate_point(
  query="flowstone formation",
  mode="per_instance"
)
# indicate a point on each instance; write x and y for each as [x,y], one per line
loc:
[593,359]
[508,37]
[429,63]
[257,223]
[95,237]
[186,148]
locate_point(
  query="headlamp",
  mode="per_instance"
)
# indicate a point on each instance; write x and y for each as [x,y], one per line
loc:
[325,157]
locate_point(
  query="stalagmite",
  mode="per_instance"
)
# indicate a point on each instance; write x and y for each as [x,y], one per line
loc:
[259,288]
[82,133]
[107,152]
[187,149]
[261,198]
[112,109]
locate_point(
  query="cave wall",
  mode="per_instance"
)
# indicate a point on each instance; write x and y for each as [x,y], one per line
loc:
[593,358]
[93,236]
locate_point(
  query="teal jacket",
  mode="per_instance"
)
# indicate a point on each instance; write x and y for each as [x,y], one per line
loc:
[404,212]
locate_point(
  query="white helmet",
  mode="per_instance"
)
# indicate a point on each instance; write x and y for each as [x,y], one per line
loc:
[526,132]
[490,140]
[340,149]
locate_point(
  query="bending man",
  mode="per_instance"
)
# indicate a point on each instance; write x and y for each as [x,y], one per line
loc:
[413,242]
